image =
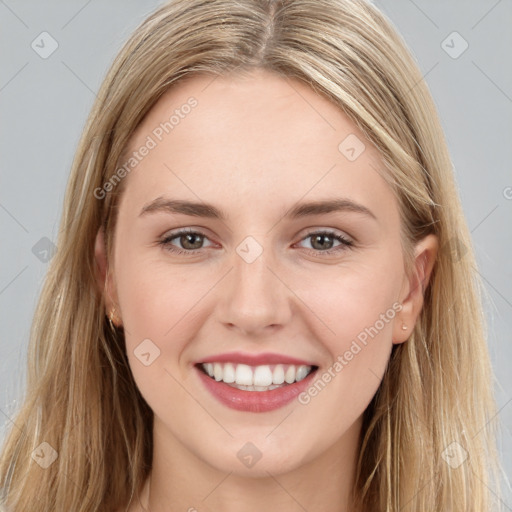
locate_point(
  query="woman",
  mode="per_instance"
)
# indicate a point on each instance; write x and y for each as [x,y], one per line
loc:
[258,292]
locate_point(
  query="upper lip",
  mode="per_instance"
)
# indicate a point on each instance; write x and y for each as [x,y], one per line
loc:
[254,359]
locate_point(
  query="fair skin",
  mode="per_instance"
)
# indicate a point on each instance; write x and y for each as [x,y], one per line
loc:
[254,148]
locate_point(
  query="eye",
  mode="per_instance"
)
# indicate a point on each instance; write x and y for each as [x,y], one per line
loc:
[322,242]
[189,240]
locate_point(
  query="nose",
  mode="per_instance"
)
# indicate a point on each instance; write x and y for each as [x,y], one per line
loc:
[253,298]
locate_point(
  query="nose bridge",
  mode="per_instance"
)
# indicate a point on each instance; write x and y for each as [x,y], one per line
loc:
[255,297]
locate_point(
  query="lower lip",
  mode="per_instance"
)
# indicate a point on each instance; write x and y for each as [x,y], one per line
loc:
[254,401]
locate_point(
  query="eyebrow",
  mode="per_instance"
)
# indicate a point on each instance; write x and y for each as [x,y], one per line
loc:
[161,204]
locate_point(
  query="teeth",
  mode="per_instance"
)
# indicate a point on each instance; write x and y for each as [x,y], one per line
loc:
[229,373]
[257,378]
[243,375]
[301,373]
[262,376]
[255,388]
[289,376]
[217,371]
[278,375]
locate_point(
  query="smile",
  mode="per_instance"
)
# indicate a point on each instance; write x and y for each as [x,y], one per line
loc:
[256,378]
[255,388]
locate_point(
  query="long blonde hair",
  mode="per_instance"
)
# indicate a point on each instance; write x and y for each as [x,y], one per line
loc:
[435,403]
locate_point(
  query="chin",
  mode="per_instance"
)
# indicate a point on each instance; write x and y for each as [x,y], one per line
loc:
[256,458]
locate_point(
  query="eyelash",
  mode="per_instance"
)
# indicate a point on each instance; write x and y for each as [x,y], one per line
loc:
[345,243]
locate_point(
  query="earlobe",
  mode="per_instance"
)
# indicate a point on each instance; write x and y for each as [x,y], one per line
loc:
[412,301]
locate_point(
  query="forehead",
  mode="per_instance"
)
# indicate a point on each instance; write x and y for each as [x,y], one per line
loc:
[255,106]
[258,136]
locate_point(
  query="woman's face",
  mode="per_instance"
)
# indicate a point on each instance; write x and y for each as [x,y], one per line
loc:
[260,280]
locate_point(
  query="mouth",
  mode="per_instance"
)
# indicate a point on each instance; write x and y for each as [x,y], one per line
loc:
[256,378]
[255,388]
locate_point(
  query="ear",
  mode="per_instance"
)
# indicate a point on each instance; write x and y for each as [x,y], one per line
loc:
[104,274]
[412,292]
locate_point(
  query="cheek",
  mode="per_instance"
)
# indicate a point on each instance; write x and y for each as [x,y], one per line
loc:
[349,299]
[163,309]
[155,297]
[357,309]
[157,306]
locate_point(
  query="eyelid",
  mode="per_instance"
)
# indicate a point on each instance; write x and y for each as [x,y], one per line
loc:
[345,241]
[175,234]
[333,231]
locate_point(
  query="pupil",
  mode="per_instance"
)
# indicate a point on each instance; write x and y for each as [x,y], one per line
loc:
[321,237]
[186,238]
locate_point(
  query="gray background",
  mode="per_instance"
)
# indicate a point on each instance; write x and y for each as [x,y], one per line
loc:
[44,104]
